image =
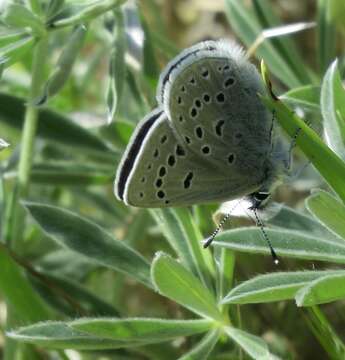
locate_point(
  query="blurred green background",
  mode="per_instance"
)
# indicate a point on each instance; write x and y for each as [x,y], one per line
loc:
[76,78]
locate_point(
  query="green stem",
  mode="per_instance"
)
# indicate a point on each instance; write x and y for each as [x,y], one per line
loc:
[87,14]
[33,309]
[16,218]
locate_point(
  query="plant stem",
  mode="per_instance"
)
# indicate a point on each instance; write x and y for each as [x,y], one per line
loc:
[87,14]
[16,218]
[14,222]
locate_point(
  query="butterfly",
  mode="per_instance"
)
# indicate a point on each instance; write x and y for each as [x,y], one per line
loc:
[209,139]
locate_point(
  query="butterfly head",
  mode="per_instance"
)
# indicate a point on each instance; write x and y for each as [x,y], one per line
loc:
[259,199]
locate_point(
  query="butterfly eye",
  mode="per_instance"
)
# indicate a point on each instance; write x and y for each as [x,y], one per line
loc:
[261,196]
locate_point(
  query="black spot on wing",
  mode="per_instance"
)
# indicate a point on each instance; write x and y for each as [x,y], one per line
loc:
[133,151]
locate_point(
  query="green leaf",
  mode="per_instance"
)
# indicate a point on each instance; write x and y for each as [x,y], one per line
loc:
[289,243]
[254,346]
[333,110]
[326,34]
[86,238]
[324,332]
[118,132]
[70,297]
[59,335]
[51,125]
[150,66]
[184,237]
[53,8]
[329,211]
[272,287]
[12,36]
[330,166]
[174,281]
[283,44]
[288,218]
[141,329]
[323,290]
[13,52]
[337,13]
[68,174]
[19,16]
[79,13]
[63,68]
[17,291]
[3,144]
[225,266]
[243,22]
[307,97]
[203,348]
[117,67]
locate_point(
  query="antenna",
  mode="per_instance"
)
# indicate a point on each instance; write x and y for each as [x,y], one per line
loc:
[209,240]
[261,225]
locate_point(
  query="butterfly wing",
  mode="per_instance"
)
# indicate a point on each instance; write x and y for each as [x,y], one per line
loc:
[159,170]
[210,96]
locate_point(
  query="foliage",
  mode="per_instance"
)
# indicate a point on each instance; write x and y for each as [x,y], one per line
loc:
[81,271]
